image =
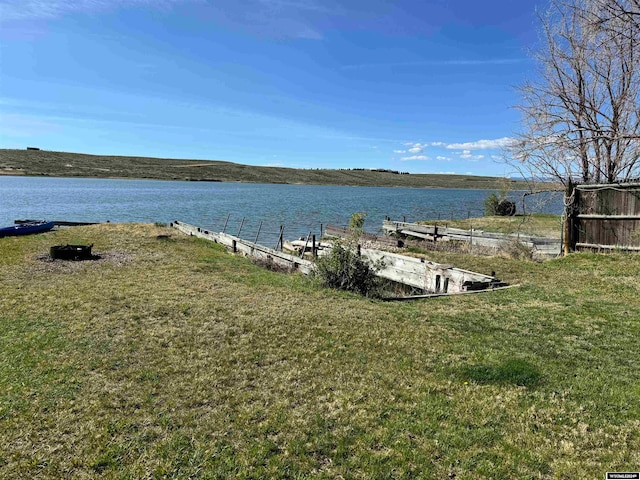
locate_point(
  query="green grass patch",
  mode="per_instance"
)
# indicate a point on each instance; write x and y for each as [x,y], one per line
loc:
[171,358]
[511,372]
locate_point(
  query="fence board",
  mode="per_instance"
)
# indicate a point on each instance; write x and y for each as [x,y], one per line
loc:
[606,217]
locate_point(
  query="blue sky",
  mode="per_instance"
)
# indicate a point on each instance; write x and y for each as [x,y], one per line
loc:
[420,86]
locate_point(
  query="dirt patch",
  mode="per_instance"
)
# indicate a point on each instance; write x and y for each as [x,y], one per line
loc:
[46,264]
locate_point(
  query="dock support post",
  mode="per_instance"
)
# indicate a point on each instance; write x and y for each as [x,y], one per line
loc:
[234,246]
[313,246]
[304,249]
[258,234]
[280,238]
[240,229]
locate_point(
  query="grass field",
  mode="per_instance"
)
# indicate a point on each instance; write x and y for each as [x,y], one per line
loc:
[63,164]
[170,358]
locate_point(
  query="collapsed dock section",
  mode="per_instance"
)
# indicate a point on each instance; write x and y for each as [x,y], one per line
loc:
[430,278]
[542,246]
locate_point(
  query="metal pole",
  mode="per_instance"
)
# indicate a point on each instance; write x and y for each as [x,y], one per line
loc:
[305,246]
[257,234]
[240,229]
[279,243]
[225,223]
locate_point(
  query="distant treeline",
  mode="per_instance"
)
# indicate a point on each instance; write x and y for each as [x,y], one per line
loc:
[384,170]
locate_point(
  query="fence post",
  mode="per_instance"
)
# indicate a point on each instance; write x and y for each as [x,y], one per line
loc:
[257,234]
[240,229]
[225,223]
[569,197]
[304,249]
[280,238]
[320,231]
[313,246]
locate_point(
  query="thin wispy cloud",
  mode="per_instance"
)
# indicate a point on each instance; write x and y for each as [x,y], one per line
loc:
[49,9]
[416,157]
[438,63]
[482,144]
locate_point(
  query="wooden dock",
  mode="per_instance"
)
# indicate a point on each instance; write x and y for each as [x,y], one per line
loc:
[245,247]
[424,275]
[544,247]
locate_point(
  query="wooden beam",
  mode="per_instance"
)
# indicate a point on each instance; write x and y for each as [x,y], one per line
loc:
[594,216]
[608,247]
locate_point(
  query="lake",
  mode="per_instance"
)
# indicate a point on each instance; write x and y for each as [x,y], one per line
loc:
[300,208]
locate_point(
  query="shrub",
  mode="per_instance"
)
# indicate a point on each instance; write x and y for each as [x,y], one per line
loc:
[344,269]
[517,250]
[494,205]
[356,223]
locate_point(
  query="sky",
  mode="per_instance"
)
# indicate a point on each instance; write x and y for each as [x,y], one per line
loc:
[422,86]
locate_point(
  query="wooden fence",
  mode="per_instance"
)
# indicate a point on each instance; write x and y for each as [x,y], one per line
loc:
[603,217]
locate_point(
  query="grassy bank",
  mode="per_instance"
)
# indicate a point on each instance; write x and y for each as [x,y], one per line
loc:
[63,164]
[173,359]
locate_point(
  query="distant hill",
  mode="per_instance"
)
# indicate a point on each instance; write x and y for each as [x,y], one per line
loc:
[63,164]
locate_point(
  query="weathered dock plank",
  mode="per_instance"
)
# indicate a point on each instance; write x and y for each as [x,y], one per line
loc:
[541,245]
[248,248]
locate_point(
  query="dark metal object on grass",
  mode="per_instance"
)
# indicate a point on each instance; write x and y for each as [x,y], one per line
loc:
[72,252]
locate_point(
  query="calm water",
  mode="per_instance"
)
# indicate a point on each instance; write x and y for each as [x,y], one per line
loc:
[301,208]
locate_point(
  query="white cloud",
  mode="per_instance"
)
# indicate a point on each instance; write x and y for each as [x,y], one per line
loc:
[43,9]
[482,144]
[437,144]
[399,151]
[415,147]
[467,155]
[443,159]
[416,157]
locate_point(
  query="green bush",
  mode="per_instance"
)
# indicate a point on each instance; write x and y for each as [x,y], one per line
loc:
[495,205]
[344,269]
[356,223]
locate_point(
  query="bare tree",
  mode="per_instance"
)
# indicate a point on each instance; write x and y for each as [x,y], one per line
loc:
[581,117]
[613,14]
